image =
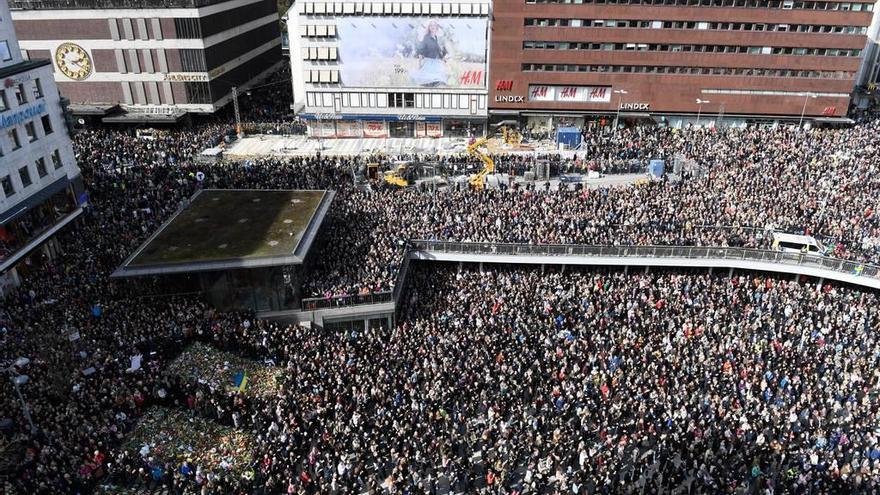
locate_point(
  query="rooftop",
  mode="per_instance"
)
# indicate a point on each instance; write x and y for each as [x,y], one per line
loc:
[108,4]
[222,229]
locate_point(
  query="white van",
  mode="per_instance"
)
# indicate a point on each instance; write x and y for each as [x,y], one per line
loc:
[792,243]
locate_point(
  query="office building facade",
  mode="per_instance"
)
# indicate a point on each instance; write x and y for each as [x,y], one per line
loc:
[41,188]
[582,61]
[390,69]
[153,56]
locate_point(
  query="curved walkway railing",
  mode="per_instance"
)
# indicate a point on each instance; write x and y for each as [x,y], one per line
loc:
[757,259]
[683,256]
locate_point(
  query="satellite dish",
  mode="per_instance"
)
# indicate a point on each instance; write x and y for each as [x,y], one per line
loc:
[81,121]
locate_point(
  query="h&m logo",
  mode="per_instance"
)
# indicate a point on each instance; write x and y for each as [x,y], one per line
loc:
[504,85]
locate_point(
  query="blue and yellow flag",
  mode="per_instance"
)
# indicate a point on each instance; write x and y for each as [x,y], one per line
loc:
[240,381]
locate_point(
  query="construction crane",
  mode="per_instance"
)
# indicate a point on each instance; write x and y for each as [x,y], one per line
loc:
[477,180]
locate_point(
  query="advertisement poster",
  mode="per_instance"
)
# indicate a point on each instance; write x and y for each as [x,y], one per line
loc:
[409,52]
[434,129]
[323,129]
[349,129]
[420,130]
[566,94]
[375,129]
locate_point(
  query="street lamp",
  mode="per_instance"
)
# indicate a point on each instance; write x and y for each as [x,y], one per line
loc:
[18,380]
[807,97]
[620,93]
[720,118]
[700,109]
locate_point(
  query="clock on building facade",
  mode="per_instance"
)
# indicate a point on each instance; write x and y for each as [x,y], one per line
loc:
[73,61]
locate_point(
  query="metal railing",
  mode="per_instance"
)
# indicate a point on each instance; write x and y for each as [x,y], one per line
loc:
[344,301]
[684,252]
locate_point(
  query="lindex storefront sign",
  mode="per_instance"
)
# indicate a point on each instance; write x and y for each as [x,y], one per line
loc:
[635,106]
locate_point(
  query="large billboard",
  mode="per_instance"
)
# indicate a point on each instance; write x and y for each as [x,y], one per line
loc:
[412,52]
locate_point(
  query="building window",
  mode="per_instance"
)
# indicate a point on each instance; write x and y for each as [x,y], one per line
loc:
[56,160]
[25,176]
[8,190]
[31,130]
[13,138]
[4,105]
[47,124]
[38,89]
[5,54]
[41,167]
[20,95]
[401,100]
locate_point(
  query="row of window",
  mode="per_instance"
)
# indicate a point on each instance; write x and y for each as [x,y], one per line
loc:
[395,100]
[30,130]
[319,53]
[24,174]
[700,25]
[748,4]
[393,8]
[665,69]
[19,91]
[655,47]
[321,76]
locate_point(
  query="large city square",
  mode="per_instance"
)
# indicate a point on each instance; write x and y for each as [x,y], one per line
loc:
[233,270]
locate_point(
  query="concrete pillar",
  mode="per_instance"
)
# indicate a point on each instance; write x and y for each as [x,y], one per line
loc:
[710,270]
[796,277]
[390,322]
[626,270]
[563,268]
[542,268]
[366,325]
[730,273]
[481,267]
[647,270]
[460,266]
[819,284]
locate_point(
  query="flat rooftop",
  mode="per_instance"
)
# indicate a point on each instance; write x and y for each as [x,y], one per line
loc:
[232,228]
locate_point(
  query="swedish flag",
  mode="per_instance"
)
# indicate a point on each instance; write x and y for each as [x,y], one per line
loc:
[240,381]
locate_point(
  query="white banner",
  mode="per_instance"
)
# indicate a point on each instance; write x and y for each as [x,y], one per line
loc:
[323,129]
[570,94]
[542,93]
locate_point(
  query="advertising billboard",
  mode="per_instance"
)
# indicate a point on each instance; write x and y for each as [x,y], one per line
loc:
[412,52]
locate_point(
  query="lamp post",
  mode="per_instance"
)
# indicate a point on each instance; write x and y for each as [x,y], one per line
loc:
[619,93]
[720,118]
[807,97]
[700,109]
[18,380]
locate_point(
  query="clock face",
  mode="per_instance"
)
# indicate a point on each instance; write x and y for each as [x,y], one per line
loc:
[73,61]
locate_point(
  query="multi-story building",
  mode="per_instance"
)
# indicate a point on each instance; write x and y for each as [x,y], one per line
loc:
[398,69]
[585,60]
[152,56]
[41,188]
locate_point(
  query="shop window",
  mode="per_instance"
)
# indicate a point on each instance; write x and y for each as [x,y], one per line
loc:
[4,105]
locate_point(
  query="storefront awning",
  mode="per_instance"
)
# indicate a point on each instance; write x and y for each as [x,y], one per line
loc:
[143,117]
[834,120]
[92,110]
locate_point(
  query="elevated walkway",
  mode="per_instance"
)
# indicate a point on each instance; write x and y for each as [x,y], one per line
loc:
[821,267]
[323,310]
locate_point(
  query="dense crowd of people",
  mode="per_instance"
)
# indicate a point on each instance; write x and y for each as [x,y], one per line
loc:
[509,381]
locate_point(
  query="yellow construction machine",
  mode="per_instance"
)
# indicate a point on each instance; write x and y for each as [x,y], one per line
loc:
[477,179]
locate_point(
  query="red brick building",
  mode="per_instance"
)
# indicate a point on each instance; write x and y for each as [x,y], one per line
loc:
[556,61]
